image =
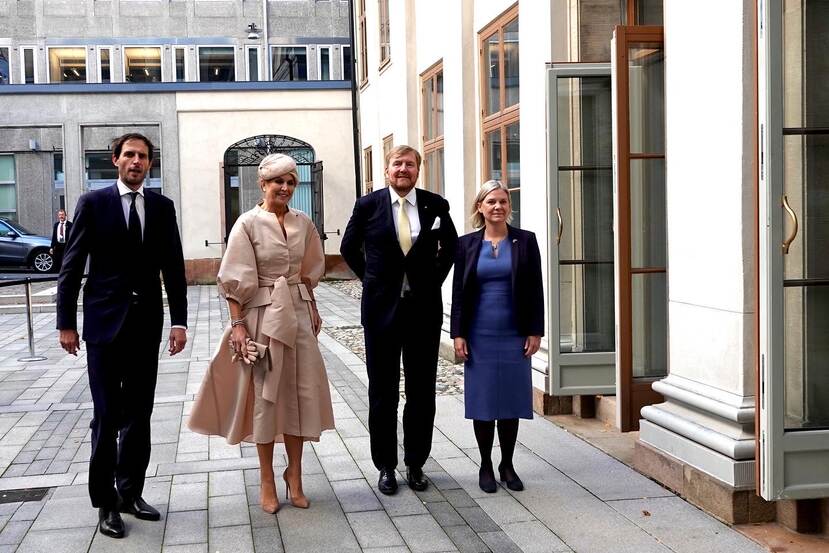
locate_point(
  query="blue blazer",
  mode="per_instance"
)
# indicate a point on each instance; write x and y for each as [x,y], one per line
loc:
[527,287]
[371,249]
[100,233]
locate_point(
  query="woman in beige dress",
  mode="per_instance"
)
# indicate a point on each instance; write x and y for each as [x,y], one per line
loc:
[266,381]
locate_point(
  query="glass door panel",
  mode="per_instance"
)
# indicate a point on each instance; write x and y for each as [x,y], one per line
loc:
[640,241]
[581,246]
[794,274]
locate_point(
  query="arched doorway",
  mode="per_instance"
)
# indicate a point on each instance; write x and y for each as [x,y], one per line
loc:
[241,183]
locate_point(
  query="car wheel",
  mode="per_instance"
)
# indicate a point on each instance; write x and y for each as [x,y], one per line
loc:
[42,262]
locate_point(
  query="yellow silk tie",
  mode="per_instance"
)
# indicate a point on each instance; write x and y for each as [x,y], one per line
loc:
[404,229]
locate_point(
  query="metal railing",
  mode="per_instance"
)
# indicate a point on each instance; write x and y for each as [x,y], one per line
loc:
[27,282]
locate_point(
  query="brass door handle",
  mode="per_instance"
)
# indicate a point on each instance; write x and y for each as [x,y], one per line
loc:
[788,241]
[560,226]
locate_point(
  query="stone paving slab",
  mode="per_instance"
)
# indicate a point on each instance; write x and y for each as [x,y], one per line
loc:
[577,498]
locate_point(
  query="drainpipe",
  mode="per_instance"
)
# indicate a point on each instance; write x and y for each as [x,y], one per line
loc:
[267,45]
[354,104]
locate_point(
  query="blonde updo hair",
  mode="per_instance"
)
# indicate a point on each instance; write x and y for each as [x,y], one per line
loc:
[277,165]
[476,218]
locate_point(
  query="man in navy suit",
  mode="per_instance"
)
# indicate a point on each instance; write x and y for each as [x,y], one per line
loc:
[401,242]
[60,232]
[130,236]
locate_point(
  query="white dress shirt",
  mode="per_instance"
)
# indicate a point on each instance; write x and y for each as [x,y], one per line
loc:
[410,205]
[61,232]
[126,200]
[411,210]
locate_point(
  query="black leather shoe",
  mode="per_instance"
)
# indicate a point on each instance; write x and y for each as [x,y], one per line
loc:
[415,478]
[139,509]
[486,480]
[110,523]
[508,475]
[387,484]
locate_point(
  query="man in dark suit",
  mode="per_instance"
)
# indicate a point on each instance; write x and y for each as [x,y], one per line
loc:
[401,242]
[130,235]
[60,232]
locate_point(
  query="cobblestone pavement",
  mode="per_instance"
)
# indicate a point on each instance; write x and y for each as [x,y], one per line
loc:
[577,498]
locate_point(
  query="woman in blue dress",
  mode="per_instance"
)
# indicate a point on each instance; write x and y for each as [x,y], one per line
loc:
[497,324]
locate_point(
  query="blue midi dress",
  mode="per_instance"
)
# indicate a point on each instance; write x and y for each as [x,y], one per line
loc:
[497,377]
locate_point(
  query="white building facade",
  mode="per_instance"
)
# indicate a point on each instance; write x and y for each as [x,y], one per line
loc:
[661,168]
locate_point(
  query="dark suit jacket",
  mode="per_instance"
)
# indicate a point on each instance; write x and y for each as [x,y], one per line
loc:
[100,232]
[55,243]
[527,287]
[371,249]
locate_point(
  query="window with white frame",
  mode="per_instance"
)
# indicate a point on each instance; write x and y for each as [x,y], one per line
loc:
[100,172]
[217,64]
[253,65]
[180,63]
[289,63]
[142,64]
[5,75]
[104,65]
[28,65]
[8,187]
[67,64]
[347,61]
[324,63]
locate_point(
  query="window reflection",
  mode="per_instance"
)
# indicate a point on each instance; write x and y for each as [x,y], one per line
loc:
[67,65]
[290,63]
[216,64]
[142,65]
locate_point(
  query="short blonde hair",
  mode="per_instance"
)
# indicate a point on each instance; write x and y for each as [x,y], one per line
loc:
[476,218]
[277,165]
[401,150]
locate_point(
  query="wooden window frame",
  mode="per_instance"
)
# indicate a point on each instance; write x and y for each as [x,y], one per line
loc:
[434,143]
[388,144]
[385,33]
[368,173]
[363,43]
[506,116]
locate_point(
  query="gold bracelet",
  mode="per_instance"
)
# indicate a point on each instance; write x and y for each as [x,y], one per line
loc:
[237,322]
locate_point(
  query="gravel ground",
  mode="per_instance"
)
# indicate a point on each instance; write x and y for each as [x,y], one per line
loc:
[450,375]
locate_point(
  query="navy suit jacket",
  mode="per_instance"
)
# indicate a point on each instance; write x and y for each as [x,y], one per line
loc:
[527,286]
[100,232]
[371,249]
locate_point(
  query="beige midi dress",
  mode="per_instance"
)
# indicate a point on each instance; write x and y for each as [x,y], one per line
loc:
[285,391]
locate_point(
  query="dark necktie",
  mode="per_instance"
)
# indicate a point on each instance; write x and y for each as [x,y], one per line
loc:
[134,227]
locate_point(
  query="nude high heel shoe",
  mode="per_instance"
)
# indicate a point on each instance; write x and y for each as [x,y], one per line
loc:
[269,504]
[299,501]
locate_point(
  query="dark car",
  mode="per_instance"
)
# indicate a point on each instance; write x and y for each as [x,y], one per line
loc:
[22,248]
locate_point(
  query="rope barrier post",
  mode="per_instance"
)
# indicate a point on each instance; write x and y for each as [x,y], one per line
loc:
[30,326]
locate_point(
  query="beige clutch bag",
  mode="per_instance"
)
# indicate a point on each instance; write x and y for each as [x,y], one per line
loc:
[253,351]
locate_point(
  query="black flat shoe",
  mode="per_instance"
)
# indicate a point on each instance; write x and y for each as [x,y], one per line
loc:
[110,523]
[415,478]
[139,509]
[387,484]
[512,480]
[486,480]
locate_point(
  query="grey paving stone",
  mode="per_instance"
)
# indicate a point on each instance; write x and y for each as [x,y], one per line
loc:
[698,531]
[13,532]
[267,540]
[466,539]
[295,524]
[398,549]
[504,509]
[237,539]
[186,527]
[422,533]
[8,509]
[534,537]
[228,510]
[374,529]
[459,498]
[499,541]
[70,512]
[261,519]
[190,478]
[28,511]
[445,514]
[230,482]
[67,540]
[189,548]
[188,496]
[340,467]
[442,481]
[355,495]
[477,519]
